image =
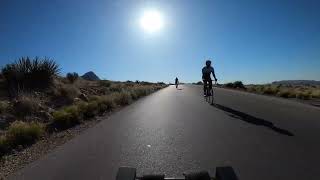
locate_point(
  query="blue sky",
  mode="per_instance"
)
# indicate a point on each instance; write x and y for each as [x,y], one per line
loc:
[249,40]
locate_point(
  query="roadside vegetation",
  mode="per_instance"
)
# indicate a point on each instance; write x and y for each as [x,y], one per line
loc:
[304,92]
[35,100]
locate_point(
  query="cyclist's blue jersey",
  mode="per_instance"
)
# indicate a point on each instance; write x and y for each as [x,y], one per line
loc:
[206,71]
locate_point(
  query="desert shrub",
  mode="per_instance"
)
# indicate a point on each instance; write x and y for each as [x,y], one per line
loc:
[315,93]
[139,92]
[286,93]
[134,95]
[129,83]
[72,77]
[303,95]
[95,98]
[27,74]
[105,83]
[252,89]
[116,88]
[229,85]
[238,84]
[4,106]
[4,145]
[22,133]
[25,105]
[199,83]
[145,83]
[121,98]
[67,91]
[90,109]
[270,90]
[105,103]
[67,117]
[97,104]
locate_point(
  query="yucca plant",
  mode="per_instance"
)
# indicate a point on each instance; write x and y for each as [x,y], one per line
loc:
[28,74]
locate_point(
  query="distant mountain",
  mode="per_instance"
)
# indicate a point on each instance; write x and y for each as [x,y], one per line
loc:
[297,82]
[90,76]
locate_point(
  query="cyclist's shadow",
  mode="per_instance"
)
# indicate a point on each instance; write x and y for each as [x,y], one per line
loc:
[252,120]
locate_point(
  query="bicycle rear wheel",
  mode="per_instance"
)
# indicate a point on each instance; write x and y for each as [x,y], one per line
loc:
[211,97]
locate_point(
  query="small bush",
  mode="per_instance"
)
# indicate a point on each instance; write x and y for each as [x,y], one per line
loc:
[25,105]
[303,95]
[4,106]
[315,93]
[116,88]
[229,85]
[145,83]
[199,83]
[238,84]
[67,91]
[105,103]
[270,90]
[138,92]
[162,83]
[67,117]
[27,74]
[4,145]
[286,94]
[90,109]
[123,98]
[72,77]
[252,89]
[105,83]
[22,133]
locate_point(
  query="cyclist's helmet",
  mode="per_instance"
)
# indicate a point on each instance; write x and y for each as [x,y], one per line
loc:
[208,62]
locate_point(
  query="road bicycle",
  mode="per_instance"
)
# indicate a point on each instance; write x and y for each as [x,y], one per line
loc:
[209,93]
[222,173]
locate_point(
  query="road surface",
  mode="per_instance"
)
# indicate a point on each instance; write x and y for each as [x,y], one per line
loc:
[174,131]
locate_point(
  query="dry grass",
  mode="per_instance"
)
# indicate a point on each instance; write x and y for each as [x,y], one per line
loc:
[299,92]
[121,98]
[25,105]
[4,106]
[67,92]
[20,134]
[4,145]
[67,117]
[23,133]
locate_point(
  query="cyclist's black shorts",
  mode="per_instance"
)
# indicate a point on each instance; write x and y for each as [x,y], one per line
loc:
[207,81]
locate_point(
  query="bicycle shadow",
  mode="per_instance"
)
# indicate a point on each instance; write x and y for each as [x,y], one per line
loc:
[252,120]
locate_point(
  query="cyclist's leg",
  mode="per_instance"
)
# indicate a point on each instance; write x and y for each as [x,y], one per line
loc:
[210,86]
[205,83]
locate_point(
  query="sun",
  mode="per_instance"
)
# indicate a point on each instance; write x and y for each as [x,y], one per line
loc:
[151,21]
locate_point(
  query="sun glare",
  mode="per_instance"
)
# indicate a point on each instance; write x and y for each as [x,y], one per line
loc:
[151,21]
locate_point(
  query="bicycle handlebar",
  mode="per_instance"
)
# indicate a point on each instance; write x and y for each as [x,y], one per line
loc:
[171,178]
[222,173]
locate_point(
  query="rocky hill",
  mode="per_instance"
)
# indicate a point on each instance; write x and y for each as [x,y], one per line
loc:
[90,76]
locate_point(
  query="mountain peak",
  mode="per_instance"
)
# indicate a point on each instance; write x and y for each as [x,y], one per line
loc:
[90,76]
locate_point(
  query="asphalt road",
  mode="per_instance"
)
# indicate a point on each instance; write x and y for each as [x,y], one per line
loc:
[174,131]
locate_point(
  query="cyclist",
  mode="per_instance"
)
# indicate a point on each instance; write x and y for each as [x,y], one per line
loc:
[176,82]
[206,76]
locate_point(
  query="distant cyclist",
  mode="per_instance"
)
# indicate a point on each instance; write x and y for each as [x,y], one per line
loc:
[206,76]
[176,82]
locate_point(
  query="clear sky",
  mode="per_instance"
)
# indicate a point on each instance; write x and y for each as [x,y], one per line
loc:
[249,40]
